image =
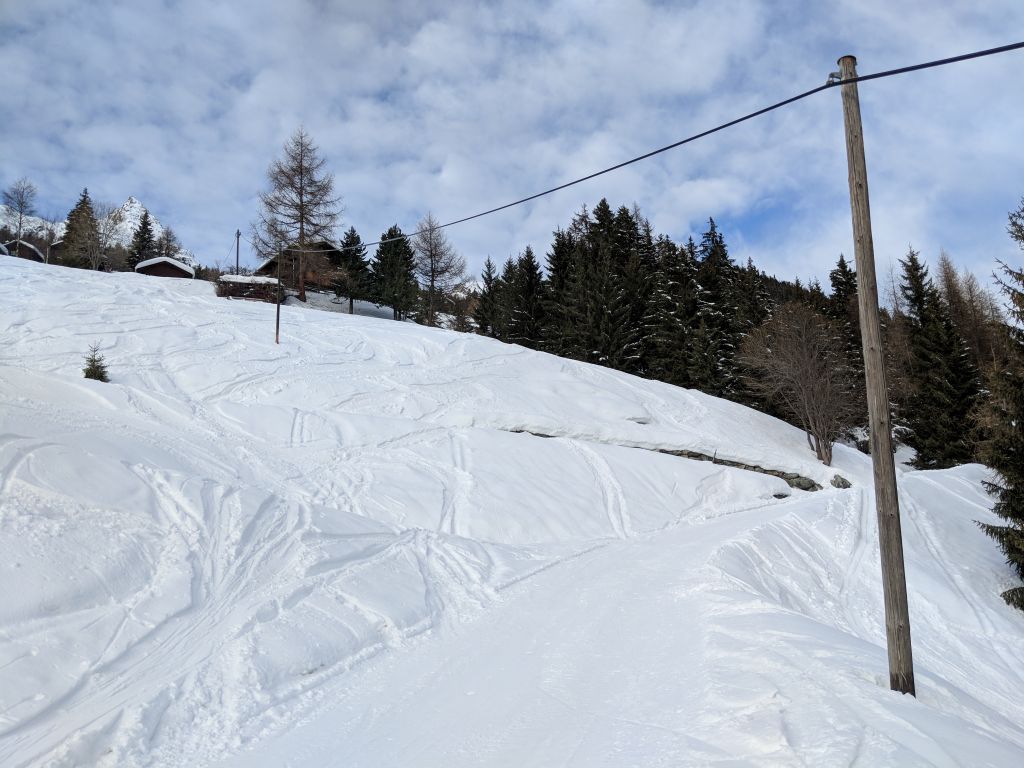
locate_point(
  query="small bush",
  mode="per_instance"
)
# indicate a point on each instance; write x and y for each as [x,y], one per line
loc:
[95,365]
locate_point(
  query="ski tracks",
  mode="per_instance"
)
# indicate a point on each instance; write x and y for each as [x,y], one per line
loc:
[235,567]
[615,504]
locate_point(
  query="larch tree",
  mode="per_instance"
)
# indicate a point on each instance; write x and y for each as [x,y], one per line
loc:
[20,197]
[168,244]
[300,207]
[439,266]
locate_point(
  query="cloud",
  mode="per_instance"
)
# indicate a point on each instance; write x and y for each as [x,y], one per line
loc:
[458,107]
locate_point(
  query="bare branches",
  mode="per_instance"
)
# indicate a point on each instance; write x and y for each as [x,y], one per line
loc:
[798,363]
[20,197]
[439,266]
[300,207]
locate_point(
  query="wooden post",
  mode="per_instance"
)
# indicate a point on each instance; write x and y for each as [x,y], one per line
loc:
[238,235]
[894,583]
[277,321]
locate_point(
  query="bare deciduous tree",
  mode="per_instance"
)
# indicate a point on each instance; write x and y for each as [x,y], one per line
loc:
[21,198]
[797,362]
[108,221]
[300,207]
[439,266]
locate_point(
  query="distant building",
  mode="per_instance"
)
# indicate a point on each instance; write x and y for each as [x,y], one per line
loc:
[28,251]
[165,266]
[321,261]
[250,287]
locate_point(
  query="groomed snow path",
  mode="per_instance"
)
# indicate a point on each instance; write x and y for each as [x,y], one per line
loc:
[348,550]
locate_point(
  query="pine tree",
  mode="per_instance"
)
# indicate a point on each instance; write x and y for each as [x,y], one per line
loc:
[719,332]
[95,365]
[144,244]
[844,288]
[526,319]
[504,298]
[842,308]
[603,332]
[353,268]
[674,313]
[81,237]
[1003,450]
[558,316]
[393,273]
[483,314]
[944,383]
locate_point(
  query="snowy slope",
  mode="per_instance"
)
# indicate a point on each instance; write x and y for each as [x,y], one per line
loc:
[349,550]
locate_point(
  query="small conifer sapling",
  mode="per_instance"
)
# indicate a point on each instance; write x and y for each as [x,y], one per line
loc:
[95,365]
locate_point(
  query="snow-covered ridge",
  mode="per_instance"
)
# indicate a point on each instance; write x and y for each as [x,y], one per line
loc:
[345,549]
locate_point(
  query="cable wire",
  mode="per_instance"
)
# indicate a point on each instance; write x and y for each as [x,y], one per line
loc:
[831,83]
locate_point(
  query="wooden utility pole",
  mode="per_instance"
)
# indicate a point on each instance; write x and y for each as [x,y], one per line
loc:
[894,581]
[277,321]
[238,235]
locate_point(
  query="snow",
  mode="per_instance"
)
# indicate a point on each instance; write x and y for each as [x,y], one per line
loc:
[328,302]
[166,260]
[348,549]
[248,279]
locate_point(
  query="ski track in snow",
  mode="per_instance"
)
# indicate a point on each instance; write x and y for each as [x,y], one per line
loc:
[329,551]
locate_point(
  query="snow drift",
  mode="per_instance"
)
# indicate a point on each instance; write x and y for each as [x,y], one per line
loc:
[349,549]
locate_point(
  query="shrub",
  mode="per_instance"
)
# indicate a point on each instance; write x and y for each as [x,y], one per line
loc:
[95,365]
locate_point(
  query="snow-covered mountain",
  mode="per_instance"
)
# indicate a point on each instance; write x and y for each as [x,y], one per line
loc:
[358,548]
[125,220]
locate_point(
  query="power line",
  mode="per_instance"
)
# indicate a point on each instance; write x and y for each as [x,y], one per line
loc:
[833,81]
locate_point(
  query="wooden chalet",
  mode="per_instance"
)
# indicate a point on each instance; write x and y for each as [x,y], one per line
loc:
[165,266]
[27,251]
[321,266]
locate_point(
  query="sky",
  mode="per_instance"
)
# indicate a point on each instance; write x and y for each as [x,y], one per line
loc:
[454,108]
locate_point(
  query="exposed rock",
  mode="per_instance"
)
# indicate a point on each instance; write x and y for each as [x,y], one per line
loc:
[838,481]
[793,480]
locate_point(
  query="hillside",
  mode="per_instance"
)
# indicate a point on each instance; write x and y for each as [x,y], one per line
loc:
[385,545]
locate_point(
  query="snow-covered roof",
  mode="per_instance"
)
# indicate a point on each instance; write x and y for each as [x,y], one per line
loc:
[3,250]
[172,262]
[248,279]
[24,245]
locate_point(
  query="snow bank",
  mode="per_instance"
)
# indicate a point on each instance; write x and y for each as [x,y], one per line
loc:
[248,279]
[356,530]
